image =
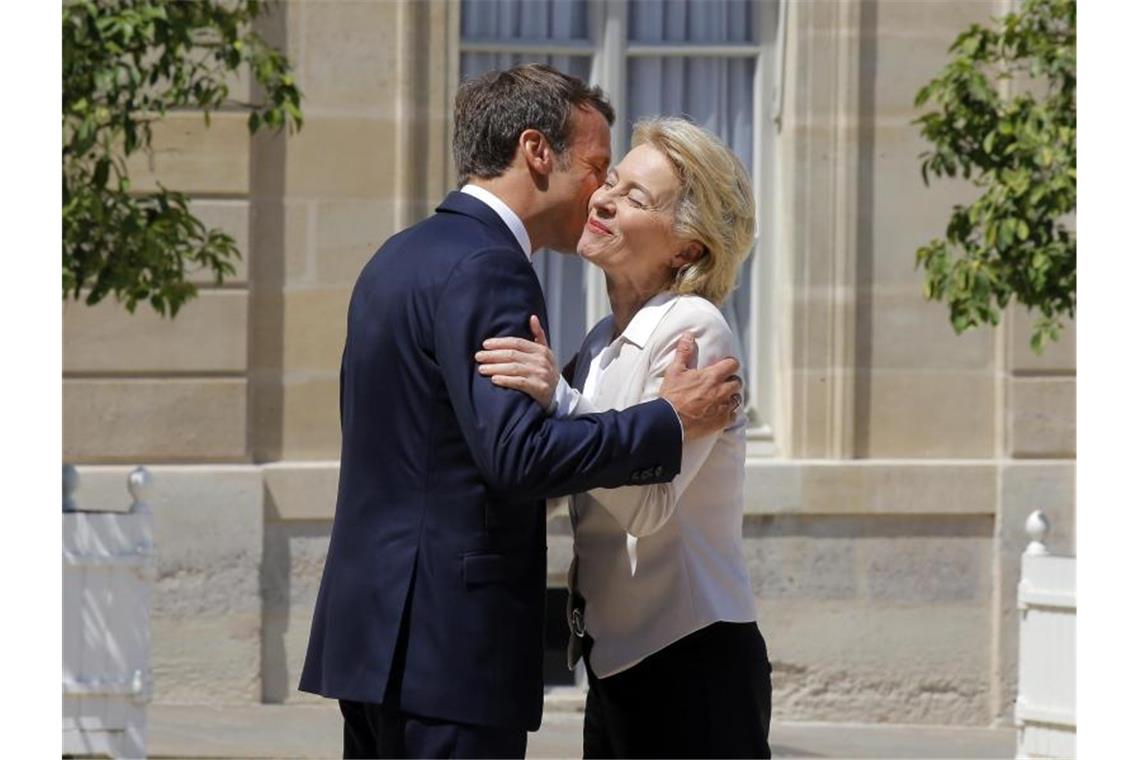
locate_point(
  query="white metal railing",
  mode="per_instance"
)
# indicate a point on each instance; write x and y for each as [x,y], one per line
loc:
[108,568]
[1046,688]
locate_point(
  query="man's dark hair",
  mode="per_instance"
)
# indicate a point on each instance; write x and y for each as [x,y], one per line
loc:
[493,109]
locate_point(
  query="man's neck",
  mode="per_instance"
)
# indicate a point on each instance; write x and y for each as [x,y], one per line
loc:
[519,195]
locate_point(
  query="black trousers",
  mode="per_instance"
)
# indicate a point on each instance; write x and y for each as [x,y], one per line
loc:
[706,695]
[373,730]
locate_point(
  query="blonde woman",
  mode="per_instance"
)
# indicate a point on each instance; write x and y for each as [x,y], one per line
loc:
[662,607]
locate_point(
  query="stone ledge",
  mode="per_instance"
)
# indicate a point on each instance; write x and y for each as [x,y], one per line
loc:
[307,490]
[301,490]
[908,487]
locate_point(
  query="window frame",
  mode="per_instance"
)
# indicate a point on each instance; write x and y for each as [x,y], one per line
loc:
[610,50]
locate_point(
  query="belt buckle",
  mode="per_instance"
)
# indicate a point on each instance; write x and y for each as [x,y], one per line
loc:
[576,624]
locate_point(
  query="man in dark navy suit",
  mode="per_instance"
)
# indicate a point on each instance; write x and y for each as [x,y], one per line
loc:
[428,624]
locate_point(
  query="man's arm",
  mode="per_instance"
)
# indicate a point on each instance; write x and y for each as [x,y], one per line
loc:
[521,452]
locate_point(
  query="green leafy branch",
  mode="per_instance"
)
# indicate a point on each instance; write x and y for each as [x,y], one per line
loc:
[126,64]
[1019,148]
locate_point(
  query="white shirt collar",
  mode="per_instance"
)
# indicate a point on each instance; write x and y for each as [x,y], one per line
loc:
[505,213]
[645,321]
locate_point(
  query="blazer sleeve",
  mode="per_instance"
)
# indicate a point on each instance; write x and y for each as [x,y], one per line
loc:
[522,453]
[643,510]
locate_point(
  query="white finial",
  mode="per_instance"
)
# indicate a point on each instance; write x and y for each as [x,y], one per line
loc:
[138,483]
[1037,526]
[70,483]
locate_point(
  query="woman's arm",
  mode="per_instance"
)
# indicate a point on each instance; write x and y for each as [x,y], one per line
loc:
[643,510]
[529,366]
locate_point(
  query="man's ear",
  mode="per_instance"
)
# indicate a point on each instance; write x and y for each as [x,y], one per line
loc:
[536,152]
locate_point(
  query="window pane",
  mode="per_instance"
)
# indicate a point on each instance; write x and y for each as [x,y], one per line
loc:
[715,93]
[707,21]
[473,64]
[525,19]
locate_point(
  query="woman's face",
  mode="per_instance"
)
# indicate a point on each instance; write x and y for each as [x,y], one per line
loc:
[629,231]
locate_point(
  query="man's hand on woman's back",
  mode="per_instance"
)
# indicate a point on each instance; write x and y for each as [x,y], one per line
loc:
[705,399]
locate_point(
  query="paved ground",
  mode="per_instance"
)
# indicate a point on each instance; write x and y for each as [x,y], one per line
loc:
[274,731]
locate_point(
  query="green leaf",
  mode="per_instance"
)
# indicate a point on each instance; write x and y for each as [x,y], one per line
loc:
[123,63]
[1017,146]
[988,142]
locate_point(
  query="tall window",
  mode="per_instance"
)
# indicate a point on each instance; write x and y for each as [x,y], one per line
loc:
[697,58]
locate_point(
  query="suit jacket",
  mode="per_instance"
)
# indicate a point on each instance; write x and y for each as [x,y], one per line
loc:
[433,592]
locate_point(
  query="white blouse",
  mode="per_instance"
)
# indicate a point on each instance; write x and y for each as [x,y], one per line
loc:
[658,562]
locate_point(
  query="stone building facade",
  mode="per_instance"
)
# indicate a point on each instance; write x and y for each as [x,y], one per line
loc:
[891,465]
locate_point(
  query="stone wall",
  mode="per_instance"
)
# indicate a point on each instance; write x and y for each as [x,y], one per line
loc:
[884,539]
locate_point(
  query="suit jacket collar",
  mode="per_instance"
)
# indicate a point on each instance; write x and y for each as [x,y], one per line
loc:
[468,205]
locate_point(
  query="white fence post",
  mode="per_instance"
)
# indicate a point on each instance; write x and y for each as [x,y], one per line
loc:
[1047,600]
[108,567]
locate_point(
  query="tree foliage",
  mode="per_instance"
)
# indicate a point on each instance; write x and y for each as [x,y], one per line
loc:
[127,63]
[1005,117]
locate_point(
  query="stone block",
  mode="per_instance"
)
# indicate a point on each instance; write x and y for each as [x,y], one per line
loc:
[314,329]
[342,158]
[196,159]
[932,18]
[852,662]
[812,412]
[299,249]
[927,560]
[874,618]
[310,418]
[793,557]
[814,73]
[348,233]
[905,332]
[344,70]
[294,559]
[814,322]
[231,217]
[301,490]
[283,250]
[897,488]
[154,420]
[923,414]
[206,600]
[905,214]
[1059,357]
[1042,416]
[208,335]
[910,40]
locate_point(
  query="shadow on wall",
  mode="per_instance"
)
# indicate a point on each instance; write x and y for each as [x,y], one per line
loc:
[292,559]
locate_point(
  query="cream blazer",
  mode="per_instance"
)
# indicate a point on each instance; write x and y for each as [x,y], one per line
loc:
[657,562]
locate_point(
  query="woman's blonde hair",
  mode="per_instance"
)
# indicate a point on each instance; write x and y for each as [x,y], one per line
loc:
[715,206]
